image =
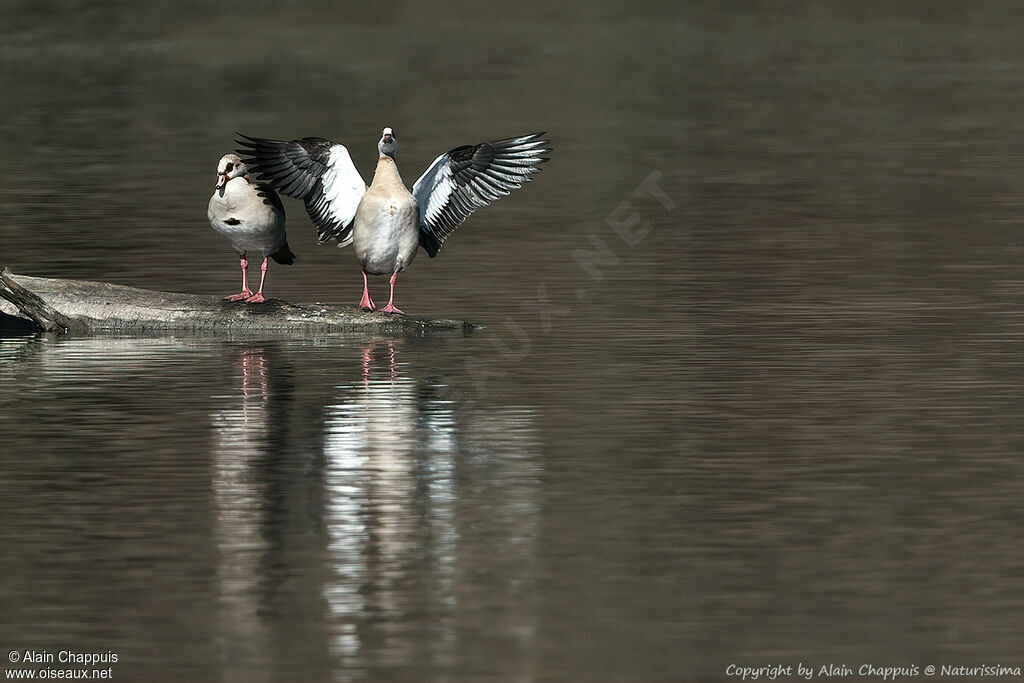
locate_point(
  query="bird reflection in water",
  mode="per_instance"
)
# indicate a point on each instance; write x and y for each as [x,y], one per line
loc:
[370,443]
[240,448]
[254,377]
[420,495]
[364,513]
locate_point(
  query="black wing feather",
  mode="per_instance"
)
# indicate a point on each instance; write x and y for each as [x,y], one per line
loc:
[469,177]
[302,169]
[270,197]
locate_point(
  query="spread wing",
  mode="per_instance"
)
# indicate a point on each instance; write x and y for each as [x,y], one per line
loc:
[468,177]
[315,170]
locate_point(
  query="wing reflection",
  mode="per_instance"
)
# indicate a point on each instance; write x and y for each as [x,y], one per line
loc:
[419,494]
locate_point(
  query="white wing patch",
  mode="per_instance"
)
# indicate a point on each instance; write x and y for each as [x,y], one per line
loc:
[343,188]
[434,188]
[470,177]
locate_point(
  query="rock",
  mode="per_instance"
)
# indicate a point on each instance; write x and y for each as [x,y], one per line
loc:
[81,306]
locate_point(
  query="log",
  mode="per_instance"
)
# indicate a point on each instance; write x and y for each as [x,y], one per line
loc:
[81,306]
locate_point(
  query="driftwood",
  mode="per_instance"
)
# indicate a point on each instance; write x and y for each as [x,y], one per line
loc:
[80,306]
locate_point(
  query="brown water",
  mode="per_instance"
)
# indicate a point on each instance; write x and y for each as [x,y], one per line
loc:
[774,417]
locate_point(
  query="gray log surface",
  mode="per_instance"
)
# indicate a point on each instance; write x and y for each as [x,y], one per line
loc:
[81,306]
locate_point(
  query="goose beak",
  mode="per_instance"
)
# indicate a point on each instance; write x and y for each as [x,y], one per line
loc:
[222,179]
[387,138]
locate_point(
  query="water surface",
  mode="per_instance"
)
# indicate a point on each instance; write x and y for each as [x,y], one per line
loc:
[773,417]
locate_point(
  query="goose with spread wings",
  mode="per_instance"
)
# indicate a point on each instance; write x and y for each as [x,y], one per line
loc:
[386,223]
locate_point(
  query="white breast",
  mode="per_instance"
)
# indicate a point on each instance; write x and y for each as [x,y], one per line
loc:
[386,232]
[244,219]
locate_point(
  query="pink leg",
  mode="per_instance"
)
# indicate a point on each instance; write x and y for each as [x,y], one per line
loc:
[390,308]
[367,360]
[246,292]
[366,303]
[258,296]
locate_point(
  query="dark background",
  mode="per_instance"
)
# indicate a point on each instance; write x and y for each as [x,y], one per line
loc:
[785,426]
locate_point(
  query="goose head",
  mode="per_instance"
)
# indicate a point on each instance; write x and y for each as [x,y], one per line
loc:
[229,166]
[388,143]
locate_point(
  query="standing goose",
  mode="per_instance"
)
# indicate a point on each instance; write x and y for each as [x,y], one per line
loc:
[386,223]
[251,217]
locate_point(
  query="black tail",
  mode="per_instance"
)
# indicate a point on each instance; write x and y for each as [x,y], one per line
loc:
[284,255]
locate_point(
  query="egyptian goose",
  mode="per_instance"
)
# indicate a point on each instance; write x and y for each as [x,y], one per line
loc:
[251,217]
[386,223]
